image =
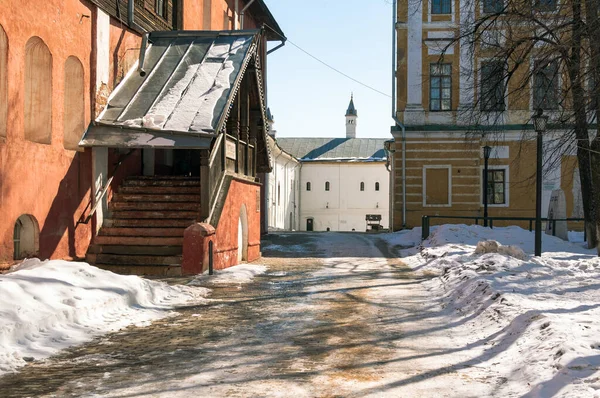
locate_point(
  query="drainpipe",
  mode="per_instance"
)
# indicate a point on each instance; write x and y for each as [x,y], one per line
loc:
[131,17]
[133,25]
[395,117]
[243,12]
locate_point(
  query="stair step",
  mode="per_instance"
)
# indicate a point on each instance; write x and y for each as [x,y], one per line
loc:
[160,182]
[135,250]
[128,214]
[159,190]
[138,240]
[124,259]
[148,270]
[147,223]
[160,206]
[130,197]
[140,231]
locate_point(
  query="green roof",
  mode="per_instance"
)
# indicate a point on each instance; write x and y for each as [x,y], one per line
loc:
[330,149]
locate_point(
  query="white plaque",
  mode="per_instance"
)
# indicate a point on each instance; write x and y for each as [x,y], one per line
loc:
[230,151]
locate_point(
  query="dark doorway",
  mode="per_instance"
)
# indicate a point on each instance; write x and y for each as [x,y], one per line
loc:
[177,162]
[309,224]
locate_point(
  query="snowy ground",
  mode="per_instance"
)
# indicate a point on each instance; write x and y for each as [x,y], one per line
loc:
[47,306]
[328,315]
[539,317]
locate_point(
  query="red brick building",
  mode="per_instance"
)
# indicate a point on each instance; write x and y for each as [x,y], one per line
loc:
[59,64]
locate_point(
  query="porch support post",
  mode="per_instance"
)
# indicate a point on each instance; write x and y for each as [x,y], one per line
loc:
[204,185]
[235,121]
[245,121]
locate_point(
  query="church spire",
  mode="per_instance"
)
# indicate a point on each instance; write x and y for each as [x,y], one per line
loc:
[351,109]
[351,116]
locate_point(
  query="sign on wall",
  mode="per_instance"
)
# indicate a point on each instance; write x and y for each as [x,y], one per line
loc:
[230,151]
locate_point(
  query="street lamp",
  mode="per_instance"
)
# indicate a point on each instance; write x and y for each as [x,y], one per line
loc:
[487,151]
[539,125]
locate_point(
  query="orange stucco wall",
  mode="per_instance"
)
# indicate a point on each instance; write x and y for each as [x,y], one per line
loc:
[213,15]
[50,183]
[241,193]
[46,181]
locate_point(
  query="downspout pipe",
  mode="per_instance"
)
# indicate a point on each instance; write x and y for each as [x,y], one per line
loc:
[133,25]
[394,116]
[131,18]
[243,12]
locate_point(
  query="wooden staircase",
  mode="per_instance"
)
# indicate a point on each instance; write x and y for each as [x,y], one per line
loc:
[143,233]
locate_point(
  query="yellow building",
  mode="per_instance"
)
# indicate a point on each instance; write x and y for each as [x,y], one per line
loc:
[437,156]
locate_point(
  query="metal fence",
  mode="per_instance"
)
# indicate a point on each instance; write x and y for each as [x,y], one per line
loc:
[425,222]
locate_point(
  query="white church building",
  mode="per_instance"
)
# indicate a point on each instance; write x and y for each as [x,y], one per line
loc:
[329,184]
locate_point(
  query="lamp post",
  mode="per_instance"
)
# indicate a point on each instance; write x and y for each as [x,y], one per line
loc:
[487,151]
[539,124]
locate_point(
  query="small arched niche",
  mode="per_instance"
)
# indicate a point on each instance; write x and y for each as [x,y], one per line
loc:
[243,235]
[26,237]
[74,105]
[38,91]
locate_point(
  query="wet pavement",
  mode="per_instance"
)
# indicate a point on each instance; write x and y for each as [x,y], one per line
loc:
[329,318]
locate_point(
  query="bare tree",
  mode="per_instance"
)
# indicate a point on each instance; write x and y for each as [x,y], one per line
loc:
[540,54]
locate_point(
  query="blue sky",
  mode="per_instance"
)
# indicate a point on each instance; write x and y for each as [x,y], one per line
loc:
[308,99]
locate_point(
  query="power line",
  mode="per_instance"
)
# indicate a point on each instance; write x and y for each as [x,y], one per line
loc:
[337,70]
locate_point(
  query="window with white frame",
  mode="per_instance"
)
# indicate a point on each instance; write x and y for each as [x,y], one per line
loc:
[327,185]
[437,186]
[545,85]
[441,6]
[160,8]
[440,87]
[308,186]
[496,186]
[492,85]
[544,5]
[493,6]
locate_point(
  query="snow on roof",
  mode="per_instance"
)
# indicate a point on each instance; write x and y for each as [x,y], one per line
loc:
[335,149]
[190,78]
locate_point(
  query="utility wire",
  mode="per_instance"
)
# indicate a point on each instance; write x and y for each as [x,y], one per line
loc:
[285,40]
[337,70]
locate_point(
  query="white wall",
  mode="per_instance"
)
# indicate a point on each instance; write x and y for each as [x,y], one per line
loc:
[283,194]
[344,207]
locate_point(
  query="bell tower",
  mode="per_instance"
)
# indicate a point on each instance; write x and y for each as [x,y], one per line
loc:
[351,116]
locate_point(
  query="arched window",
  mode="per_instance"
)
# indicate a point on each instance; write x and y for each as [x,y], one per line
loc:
[362,186]
[308,186]
[327,185]
[3,82]
[377,186]
[38,91]
[74,105]
[278,194]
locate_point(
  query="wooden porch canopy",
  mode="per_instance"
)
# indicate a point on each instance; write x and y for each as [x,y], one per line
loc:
[183,94]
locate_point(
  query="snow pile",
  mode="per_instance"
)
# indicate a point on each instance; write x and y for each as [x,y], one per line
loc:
[47,306]
[239,274]
[538,318]
[491,246]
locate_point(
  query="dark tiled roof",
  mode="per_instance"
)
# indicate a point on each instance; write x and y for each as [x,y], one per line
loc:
[354,149]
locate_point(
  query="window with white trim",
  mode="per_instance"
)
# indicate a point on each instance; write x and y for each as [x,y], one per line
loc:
[545,85]
[492,85]
[440,87]
[441,6]
[496,186]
